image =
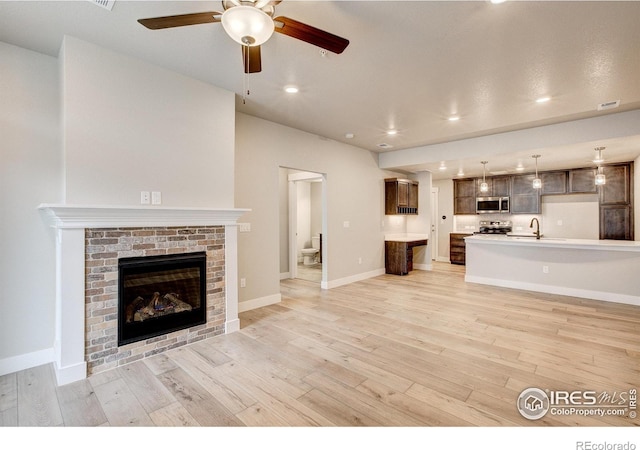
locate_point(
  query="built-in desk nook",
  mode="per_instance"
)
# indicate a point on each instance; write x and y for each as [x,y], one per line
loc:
[398,252]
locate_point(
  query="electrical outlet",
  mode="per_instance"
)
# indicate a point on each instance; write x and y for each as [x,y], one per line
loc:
[145,198]
[244,227]
[360,260]
[156,198]
[545,269]
[243,282]
[346,224]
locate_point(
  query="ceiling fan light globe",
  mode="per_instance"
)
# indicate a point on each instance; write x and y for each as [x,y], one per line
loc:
[247,25]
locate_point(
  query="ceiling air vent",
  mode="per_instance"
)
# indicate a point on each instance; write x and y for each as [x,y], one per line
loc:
[608,105]
[106,4]
[385,146]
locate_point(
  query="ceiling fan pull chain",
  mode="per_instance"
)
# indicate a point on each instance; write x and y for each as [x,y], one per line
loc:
[245,87]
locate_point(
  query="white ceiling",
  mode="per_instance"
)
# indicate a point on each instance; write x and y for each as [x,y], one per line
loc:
[409,66]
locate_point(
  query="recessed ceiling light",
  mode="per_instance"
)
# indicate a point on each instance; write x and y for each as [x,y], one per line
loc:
[543,99]
[454,118]
[392,132]
[497,2]
[291,89]
[349,135]
[460,173]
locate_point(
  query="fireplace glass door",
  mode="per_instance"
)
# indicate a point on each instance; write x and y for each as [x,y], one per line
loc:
[160,294]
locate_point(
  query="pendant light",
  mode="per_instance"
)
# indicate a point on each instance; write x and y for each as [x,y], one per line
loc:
[537,182]
[600,177]
[484,187]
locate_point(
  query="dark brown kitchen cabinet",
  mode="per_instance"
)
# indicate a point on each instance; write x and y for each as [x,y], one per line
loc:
[554,182]
[582,181]
[524,198]
[616,222]
[401,196]
[457,248]
[464,196]
[398,256]
[617,189]
[499,186]
[616,202]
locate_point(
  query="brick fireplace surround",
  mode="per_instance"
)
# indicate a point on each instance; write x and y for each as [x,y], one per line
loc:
[89,241]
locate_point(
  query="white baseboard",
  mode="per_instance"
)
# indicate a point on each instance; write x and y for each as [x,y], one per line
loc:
[285,275]
[423,266]
[352,279]
[231,326]
[558,290]
[255,303]
[28,360]
[70,374]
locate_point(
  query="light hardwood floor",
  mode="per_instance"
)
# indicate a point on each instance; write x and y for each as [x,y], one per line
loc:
[426,349]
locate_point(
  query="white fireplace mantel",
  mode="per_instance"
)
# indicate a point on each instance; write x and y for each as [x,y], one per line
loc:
[70,221]
[92,216]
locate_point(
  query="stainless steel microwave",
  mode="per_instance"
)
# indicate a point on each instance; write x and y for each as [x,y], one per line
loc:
[485,205]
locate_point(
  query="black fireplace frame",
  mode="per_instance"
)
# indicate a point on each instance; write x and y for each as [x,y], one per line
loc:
[138,331]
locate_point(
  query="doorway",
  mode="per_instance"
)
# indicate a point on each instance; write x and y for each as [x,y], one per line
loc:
[307,255]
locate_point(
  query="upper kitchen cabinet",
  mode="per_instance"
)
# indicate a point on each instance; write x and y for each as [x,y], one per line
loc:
[582,181]
[499,186]
[554,182]
[524,198]
[464,196]
[401,196]
[617,189]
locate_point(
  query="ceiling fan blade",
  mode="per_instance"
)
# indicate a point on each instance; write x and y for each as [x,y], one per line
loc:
[255,62]
[157,23]
[311,35]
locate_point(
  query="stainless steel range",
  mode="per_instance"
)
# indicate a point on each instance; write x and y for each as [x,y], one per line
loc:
[495,227]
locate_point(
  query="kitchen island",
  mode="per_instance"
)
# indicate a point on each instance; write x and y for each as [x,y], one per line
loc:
[596,269]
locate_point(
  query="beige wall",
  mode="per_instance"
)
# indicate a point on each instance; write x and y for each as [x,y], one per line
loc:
[104,126]
[354,194]
[130,127]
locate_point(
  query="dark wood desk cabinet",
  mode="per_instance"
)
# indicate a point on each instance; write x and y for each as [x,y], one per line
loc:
[457,248]
[398,256]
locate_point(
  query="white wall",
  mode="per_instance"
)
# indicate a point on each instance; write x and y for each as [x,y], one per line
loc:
[30,173]
[355,194]
[445,208]
[130,126]
[575,216]
[303,209]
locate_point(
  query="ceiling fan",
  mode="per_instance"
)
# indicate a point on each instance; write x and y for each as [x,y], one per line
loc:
[251,24]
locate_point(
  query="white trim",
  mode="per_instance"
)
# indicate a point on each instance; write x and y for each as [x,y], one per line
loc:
[423,267]
[351,279]
[92,216]
[558,290]
[285,275]
[26,361]
[256,303]
[232,326]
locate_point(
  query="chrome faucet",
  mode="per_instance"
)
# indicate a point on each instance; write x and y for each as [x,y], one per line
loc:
[537,232]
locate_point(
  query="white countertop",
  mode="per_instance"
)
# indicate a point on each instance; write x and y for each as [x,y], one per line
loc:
[531,241]
[405,237]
